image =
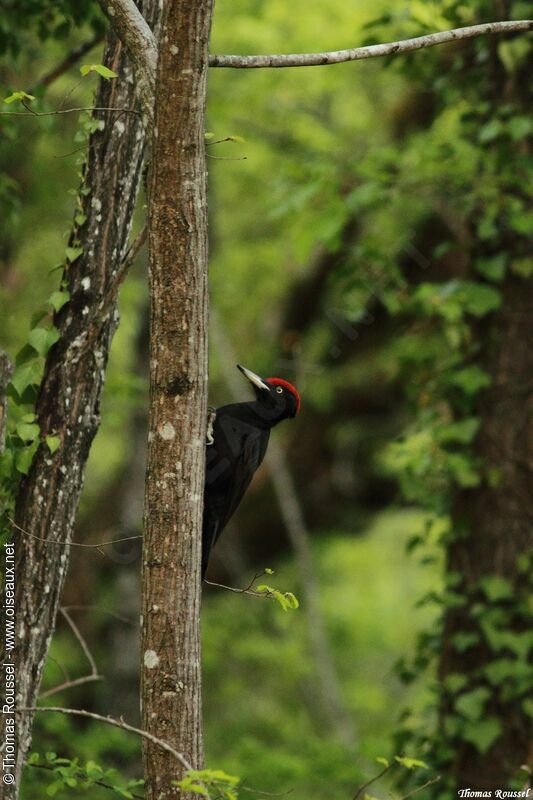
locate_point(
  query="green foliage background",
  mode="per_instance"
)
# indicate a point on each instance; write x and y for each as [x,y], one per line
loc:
[388,146]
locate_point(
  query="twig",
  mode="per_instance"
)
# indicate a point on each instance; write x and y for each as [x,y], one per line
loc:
[31,113]
[116,723]
[227,158]
[83,644]
[103,610]
[69,61]
[95,782]
[73,544]
[60,666]
[420,788]
[246,590]
[244,788]
[70,684]
[371,51]
[364,786]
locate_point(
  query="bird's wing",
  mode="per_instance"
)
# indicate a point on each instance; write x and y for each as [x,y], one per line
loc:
[220,505]
[249,460]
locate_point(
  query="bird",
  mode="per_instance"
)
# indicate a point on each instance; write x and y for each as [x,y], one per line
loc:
[237,441]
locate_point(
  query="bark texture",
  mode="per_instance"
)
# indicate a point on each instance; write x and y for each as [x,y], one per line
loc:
[69,400]
[6,370]
[170,641]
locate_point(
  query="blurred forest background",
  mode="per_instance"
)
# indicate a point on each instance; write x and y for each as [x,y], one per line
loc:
[368,221]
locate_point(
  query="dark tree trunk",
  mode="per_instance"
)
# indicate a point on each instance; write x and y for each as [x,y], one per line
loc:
[493,527]
[170,641]
[69,398]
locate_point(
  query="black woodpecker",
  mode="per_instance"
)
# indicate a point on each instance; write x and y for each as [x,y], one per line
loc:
[236,445]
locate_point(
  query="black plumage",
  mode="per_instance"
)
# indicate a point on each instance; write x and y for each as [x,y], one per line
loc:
[236,447]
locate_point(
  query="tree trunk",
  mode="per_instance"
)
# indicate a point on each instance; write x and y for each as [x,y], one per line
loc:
[69,398]
[170,641]
[495,519]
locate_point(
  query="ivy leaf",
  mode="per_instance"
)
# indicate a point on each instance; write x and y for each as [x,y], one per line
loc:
[496,588]
[479,299]
[492,268]
[52,442]
[73,253]
[42,339]
[483,733]
[28,431]
[18,96]
[470,379]
[58,299]
[490,131]
[472,704]
[519,127]
[24,459]
[462,431]
[25,375]
[463,640]
[103,71]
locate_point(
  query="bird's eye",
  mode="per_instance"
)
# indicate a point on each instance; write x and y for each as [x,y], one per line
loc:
[279,389]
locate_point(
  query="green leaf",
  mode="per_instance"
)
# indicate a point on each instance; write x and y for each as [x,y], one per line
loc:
[479,299]
[463,641]
[80,219]
[269,571]
[523,267]
[470,379]
[24,459]
[58,299]
[519,127]
[492,268]
[26,374]
[27,431]
[18,96]
[383,761]
[496,588]
[105,72]
[410,763]
[52,442]
[490,131]
[462,431]
[472,704]
[42,339]
[455,681]
[483,733]
[73,253]
[292,600]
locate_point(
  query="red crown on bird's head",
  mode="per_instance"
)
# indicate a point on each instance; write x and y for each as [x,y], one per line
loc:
[290,388]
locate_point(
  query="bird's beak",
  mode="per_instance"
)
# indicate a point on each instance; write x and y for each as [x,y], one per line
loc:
[253,378]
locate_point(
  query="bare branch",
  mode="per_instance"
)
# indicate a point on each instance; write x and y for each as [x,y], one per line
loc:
[132,29]
[73,544]
[364,786]
[421,788]
[371,51]
[70,684]
[83,644]
[116,723]
[64,65]
[31,113]
[101,610]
